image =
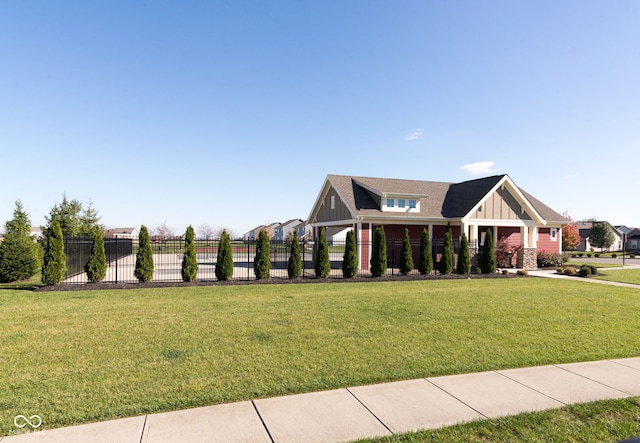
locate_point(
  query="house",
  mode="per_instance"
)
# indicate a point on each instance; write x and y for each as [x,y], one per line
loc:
[283,230]
[128,233]
[253,234]
[584,229]
[303,229]
[633,240]
[472,207]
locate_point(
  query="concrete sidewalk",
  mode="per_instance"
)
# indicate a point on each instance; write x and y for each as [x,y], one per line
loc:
[368,411]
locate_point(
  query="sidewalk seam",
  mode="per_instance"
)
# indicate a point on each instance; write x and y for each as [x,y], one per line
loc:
[529,387]
[144,425]
[453,396]
[370,411]
[255,407]
[591,379]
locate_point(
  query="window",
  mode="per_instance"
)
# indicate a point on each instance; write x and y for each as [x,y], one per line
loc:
[333,202]
[390,203]
[401,202]
[553,233]
[412,204]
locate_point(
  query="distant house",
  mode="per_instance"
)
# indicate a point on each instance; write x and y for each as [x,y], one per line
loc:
[282,231]
[253,233]
[36,232]
[633,240]
[584,229]
[303,229]
[128,233]
[365,203]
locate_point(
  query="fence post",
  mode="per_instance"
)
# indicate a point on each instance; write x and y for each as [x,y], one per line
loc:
[116,260]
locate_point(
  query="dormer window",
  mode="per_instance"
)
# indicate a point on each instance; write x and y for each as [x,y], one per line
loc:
[400,204]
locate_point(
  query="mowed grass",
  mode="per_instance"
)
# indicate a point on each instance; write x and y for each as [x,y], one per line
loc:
[596,422]
[621,275]
[75,357]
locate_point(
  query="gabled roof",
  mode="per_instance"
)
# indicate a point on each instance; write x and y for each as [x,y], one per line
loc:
[438,200]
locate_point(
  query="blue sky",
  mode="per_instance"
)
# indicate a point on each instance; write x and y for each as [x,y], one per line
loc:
[232,113]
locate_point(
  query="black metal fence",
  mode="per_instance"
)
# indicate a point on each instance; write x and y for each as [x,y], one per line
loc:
[168,254]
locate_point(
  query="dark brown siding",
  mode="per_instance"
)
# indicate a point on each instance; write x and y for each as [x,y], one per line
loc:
[326,214]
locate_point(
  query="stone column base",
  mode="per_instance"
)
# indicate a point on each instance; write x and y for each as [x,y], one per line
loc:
[527,259]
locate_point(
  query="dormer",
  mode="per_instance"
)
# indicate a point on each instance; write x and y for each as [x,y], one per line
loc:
[400,203]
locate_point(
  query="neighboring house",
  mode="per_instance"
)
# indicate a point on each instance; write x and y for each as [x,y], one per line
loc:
[282,231]
[36,232]
[129,233]
[472,207]
[303,229]
[337,234]
[633,240]
[584,229]
[252,235]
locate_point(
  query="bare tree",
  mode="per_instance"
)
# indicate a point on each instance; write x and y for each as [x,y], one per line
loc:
[163,231]
[218,232]
[206,232]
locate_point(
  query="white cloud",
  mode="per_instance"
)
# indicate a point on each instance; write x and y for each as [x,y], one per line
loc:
[479,168]
[415,135]
[570,177]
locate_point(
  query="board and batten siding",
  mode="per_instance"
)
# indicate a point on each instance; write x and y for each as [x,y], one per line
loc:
[332,208]
[501,205]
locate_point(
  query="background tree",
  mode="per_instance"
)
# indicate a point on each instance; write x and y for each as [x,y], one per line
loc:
[144,258]
[464,259]
[206,232]
[163,231]
[322,264]
[350,258]
[425,262]
[447,260]
[96,267]
[54,264]
[262,260]
[406,255]
[89,222]
[224,261]
[601,236]
[488,258]
[19,253]
[294,265]
[189,268]
[379,253]
[217,232]
[67,213]
[570,237]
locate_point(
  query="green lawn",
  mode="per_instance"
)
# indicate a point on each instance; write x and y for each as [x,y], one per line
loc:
[621,275]
[74,357]
[597,422]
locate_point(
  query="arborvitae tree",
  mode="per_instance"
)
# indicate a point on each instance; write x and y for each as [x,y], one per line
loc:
[379,253]
[447,261]
[54,265]
[19,253]
[144,258]
[464,259]
[425,263]
[406,255]
[224,262]
[350,258]
[262,260]
[294,265]
[96,267]
[189,259]
[322,265]
[488,258]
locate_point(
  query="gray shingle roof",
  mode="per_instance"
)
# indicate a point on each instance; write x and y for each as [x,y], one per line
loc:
[437,199]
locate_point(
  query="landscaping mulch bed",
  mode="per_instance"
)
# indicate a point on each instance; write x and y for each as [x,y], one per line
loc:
[271,281]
